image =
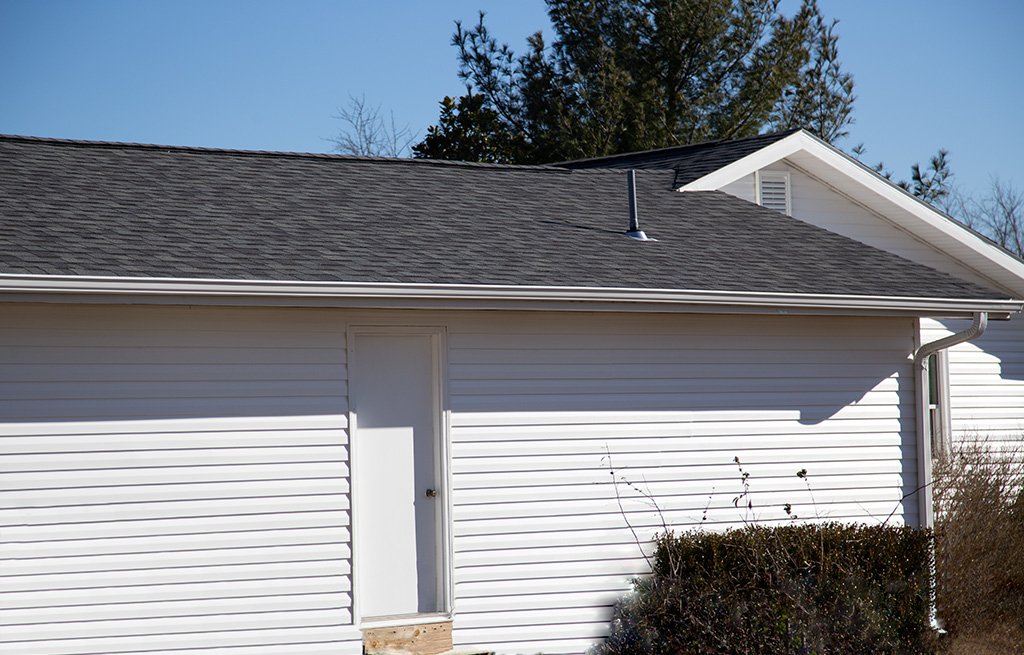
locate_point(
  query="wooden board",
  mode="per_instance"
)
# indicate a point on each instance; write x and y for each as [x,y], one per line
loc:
[424,639]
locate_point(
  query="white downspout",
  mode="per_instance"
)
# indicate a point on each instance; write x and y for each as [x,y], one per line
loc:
[924,428]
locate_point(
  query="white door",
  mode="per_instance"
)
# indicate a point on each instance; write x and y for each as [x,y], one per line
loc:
[394,387]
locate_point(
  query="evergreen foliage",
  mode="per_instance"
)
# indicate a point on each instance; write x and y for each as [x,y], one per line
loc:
[627,75]
[469,131]
[822,98]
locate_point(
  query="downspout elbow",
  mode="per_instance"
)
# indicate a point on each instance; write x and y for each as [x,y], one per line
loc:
[976,330]
[921,356]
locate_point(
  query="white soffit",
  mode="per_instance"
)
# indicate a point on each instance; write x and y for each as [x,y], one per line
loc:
[853,179]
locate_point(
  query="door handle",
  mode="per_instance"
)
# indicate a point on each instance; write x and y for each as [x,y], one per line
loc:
[431,493]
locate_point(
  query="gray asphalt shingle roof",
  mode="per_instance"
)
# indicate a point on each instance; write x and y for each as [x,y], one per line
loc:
[690,162]
[79,208]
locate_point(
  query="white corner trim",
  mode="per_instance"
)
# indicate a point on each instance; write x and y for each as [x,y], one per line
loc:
[115,289]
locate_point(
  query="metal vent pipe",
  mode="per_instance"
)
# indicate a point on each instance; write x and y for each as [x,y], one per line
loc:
[634,231]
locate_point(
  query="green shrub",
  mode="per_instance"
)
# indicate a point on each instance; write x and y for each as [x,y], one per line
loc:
[979,530]
[807,589]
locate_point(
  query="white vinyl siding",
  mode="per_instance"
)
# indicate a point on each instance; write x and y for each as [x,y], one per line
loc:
[742,188]
[986,381]
[541,549]
[175,479]
[986,376]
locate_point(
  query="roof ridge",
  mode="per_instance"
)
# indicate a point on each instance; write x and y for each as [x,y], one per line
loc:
[681,147]
[87,143]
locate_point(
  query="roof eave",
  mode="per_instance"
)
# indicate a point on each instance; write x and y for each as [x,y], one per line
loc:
[122,290]
[1001,267]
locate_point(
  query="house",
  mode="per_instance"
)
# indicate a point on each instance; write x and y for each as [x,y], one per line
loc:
[282,403]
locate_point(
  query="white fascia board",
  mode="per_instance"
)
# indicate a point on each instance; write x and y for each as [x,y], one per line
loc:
[753,162]
[829,156]
[465,296]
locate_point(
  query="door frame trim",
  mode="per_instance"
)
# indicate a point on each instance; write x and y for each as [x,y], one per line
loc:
[442,448]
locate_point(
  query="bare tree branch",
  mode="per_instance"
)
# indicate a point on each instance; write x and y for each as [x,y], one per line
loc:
[999,214]
[365,132]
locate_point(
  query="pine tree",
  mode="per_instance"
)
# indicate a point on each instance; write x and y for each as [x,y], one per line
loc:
[625,75]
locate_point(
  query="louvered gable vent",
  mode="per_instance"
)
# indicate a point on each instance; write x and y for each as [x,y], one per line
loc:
[773,190]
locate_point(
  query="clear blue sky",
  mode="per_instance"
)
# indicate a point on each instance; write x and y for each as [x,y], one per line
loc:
[270,75]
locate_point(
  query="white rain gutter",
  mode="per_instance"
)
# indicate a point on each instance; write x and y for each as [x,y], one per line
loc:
[70,288]
[924,428]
